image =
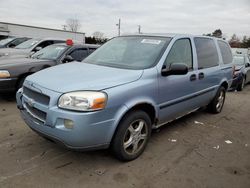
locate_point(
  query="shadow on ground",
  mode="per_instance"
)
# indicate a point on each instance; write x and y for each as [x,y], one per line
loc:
[11,96]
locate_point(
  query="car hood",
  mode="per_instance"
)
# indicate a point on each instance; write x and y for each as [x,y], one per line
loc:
[77,76]
[13,51]
[11,62]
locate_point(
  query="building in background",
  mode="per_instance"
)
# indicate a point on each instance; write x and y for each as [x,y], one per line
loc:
[18,30]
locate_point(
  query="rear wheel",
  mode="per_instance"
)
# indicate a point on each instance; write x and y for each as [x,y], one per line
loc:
[132,136]
[217,103]
[241,86]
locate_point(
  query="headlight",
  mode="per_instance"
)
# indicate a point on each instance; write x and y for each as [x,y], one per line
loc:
[83,101]
[4,74]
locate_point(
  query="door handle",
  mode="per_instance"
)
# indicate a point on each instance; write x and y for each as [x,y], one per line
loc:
[201,75]
[193,77]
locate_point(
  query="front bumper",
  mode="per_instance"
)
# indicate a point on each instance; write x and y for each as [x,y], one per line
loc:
[236,81]
[8,84]
[92,130]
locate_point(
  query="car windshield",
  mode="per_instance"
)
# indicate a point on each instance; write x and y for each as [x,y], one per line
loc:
[129,52]
[27,44]
[5,41]
[238,60]
[50,52]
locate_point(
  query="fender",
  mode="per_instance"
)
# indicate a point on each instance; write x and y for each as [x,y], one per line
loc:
[124,109]
[38,68]
[142,100]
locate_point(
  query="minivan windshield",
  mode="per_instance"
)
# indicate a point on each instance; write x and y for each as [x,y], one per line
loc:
[27,44]
[129,52]
[51,52]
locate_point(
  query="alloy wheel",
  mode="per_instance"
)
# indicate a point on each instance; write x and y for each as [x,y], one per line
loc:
[220,101]
[135,137]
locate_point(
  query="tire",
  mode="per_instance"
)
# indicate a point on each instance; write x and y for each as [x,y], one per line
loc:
[216,105]
[20,83]
[132,136]
[240,87]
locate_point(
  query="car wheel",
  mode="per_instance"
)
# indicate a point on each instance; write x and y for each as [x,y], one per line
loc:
[20,83]
[241,86]
[132,136]
[217,103]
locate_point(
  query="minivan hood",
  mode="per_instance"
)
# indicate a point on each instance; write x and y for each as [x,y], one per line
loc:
[77,76]
[13,51]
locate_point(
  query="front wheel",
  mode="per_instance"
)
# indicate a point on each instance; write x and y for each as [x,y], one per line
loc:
[241,86]
[217,103]
[132,136]
[20,83]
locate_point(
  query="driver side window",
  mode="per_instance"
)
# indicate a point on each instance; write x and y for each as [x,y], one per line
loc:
[42,45]
[181,52]
[79,54]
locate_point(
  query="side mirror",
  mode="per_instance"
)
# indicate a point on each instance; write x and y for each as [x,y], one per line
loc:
[175,69]
[68,58]
[38,48]
[247,65]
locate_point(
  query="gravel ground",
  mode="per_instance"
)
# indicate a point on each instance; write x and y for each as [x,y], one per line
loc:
[190,152]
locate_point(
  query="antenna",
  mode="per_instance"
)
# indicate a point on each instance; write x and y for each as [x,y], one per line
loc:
[119,27]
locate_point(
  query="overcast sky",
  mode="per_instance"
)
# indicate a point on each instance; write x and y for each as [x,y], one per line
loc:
[154,16]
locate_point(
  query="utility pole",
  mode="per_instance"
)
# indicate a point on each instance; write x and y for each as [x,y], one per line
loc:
[139,29]
[119,27]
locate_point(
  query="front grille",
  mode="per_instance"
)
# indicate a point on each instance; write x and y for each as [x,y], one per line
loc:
[35,113]
[38,97]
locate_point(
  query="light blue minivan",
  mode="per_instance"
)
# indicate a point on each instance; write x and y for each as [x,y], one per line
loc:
[129,86]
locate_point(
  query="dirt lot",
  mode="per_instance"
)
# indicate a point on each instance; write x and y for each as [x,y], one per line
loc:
[199,157]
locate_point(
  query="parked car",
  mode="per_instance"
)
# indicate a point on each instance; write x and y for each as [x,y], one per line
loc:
[13,71]
[12,42]
[126,88]
[241,75]
[28,47]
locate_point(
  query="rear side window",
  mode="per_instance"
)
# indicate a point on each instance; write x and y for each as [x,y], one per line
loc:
[225,52]
[45,43]
[79,54]
[58,41]
[17,41]
[206,52]
[91,50]
[181,52]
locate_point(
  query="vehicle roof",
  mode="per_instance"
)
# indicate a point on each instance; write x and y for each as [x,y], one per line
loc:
[78,45]
[42,39]
[17,37]
[172,35]
[241,50]
[240,55]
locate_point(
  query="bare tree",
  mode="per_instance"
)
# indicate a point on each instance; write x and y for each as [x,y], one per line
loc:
[98,35]
[235,41]
[217,33]
[73,24]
